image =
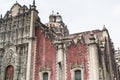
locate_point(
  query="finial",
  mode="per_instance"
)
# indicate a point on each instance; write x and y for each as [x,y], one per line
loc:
[16,1]
[33,2]
[57,13]
[52,12]
[104,28]
[103,25]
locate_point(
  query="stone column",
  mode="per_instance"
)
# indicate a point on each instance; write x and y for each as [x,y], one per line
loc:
[93,59]
[60,61]
[34,16]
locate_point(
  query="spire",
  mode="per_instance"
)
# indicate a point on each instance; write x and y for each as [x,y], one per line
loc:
[52,12]
[34,2]
[104,28]
[33,5]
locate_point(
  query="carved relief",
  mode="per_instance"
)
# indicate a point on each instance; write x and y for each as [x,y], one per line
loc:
[14,39]
[17,57]
[9,57]
[22,61]
[15,30]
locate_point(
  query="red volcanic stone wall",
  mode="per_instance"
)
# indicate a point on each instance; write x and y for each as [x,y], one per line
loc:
[77,53]
[45,54]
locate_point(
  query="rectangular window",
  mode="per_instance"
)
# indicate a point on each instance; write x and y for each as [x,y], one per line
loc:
[77,75]
[45,76]
[60,72]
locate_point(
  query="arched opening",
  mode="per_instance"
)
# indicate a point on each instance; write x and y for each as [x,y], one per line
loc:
[9,73]
[45,76]
[78,75]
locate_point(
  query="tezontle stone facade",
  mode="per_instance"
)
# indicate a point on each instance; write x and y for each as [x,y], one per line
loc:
[31,50]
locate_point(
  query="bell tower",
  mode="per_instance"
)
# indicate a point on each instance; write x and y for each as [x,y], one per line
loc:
[17,39]
[57,25]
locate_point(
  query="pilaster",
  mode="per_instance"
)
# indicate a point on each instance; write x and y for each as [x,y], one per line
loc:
[93,59]
[60,60]
[34,17]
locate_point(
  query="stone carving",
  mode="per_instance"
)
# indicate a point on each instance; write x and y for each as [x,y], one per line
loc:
[14,39]
[15,30]
[9,57]
[21,51]
[17,57]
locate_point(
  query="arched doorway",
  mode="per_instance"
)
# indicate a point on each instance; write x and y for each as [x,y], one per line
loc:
[9,73]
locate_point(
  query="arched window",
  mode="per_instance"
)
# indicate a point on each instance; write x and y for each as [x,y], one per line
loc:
[78,75]
[45,76]
[9,73]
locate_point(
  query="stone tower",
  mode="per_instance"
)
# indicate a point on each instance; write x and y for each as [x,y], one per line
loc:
[17,35]
[57,25]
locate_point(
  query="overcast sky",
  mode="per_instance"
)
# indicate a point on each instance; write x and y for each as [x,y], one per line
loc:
[79,15]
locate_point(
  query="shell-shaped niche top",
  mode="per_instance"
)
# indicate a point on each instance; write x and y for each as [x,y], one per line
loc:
[16,9]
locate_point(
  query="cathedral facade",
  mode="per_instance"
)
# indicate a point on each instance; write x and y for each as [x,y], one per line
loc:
[31,50]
